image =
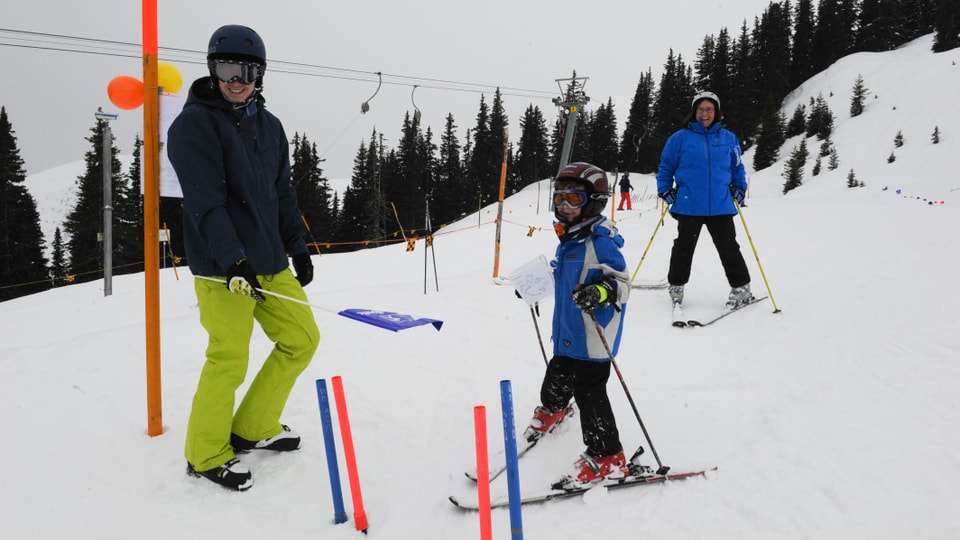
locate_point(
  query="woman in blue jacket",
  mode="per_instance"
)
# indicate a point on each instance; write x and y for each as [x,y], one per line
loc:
[701,174]
[590,281]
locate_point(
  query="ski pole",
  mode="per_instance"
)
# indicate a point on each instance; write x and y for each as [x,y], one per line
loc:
[536,325]
[654,235]
[278,295]
[757,257]
[661,468]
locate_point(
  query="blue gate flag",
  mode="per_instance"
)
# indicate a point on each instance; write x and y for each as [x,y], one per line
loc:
[388,319]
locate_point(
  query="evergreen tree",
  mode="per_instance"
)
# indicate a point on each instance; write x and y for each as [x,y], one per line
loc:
[427,153]
[703,65]
[719,72]
[128,217]
[772,135]
[834,35]
[898,139]
[604,147]
[801,59]
[852,180]
[533,152]
[448,203]
[23,268]
[314,195]
[834,161]
[820,122]
[742,109]
[891,158]
[362,210]
[583,137]
[84,224]
[671,106]
[798,123]
[480,170]
[920,17]
[639,125]
[879,27]
[58,261]
[859,97]
[947,35]
[816,167]
[793,169]
[825,147]
[498,123]
[407,190]
[936,135]
[772,52]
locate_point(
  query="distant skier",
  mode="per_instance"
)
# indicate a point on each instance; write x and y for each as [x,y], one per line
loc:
[703,160]
[590,276]
[625,189]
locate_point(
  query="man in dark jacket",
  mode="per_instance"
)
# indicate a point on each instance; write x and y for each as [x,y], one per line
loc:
[240,223]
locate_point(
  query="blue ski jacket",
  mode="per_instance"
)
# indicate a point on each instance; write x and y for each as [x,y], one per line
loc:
[703,163]
[233,166]
[589,259]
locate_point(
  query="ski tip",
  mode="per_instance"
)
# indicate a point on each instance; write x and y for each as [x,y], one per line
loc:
[679,324]
[471,476]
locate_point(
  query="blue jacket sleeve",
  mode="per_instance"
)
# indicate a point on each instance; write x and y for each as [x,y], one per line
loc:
[669,161]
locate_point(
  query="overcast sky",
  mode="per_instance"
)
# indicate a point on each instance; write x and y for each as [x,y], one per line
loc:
[451,51]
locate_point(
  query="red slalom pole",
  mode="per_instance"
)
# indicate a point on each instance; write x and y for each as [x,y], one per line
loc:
[359,516]
[483,471]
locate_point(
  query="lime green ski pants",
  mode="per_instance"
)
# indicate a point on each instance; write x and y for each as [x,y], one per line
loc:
[228,319]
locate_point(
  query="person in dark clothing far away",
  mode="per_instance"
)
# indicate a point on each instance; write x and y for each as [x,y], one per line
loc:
[625,189]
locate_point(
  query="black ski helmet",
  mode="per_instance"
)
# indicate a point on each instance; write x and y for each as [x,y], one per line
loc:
[594,179]
[236,42]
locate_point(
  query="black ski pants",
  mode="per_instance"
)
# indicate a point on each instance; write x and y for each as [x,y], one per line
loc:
[724,234]
[586,382]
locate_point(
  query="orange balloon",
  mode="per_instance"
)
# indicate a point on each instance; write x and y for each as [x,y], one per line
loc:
[125,92]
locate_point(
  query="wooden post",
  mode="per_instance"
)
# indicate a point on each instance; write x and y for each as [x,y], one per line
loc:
[151,216]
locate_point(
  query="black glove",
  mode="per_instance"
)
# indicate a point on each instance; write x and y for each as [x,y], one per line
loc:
[589,297]
[303,267]
[738,194]
[241,279]
[669,197]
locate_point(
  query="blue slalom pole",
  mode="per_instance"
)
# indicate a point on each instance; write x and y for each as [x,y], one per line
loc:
[513,465]
[339,512]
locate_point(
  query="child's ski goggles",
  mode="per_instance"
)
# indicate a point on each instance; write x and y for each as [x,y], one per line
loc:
[574,198]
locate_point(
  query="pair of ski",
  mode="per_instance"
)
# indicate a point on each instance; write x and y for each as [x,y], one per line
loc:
[639,475]
[681,321]
[643,477]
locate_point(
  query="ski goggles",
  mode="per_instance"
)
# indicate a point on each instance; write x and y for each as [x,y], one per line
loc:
[230,71]
[574,198]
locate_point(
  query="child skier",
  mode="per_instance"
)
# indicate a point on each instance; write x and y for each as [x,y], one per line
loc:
[591,289]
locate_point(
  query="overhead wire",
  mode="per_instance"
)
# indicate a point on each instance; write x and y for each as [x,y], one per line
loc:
[85,45]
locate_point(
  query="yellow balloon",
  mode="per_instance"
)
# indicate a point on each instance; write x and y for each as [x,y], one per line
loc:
[168,78]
